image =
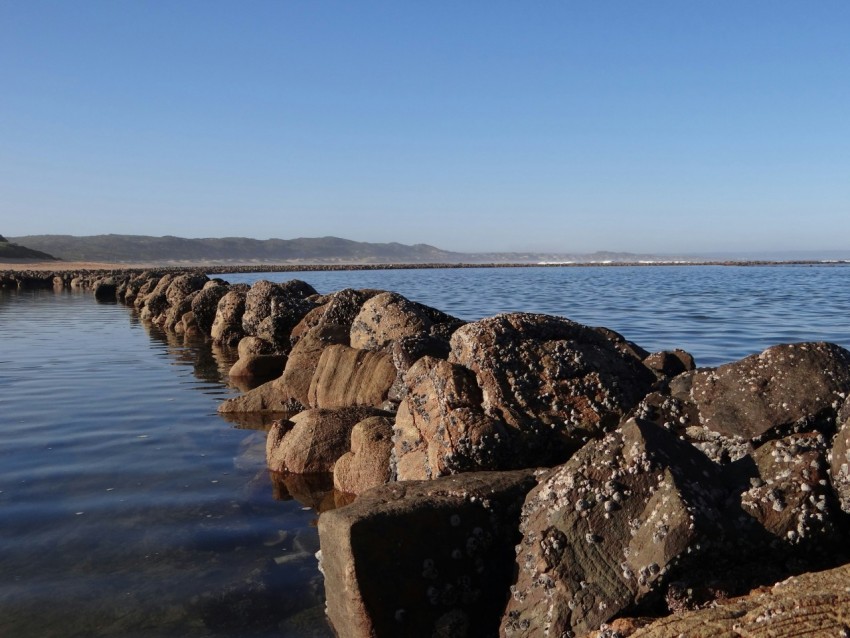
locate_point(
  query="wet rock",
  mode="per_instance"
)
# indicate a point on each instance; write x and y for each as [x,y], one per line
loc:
[367,464]
[815,604]
[347,376]
[105,290]
[313,440]
[227,325]
[389,316]
[604,532]
[554,382]
[205,304]
[419,558]
[258,367]
[787,388]
[440,427]
[249,346]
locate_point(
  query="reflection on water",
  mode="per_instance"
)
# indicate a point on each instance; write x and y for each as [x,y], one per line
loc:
[129,508]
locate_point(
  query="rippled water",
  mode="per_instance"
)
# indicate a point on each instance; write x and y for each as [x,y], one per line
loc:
[129,508]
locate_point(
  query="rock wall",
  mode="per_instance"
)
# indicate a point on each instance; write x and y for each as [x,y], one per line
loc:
[525,475]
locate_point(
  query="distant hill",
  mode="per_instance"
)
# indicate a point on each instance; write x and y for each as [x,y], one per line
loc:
[13,252]
[317,250]
[141,248]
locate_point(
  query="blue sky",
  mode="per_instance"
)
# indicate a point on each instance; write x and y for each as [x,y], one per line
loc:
[679,126]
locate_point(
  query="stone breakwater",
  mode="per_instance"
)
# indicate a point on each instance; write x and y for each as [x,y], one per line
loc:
[525,475]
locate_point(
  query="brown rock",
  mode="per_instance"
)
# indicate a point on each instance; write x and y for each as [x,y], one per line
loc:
[205,304]
[367,465]
[227,325]
[253,346]
[389,316]
[603,532]
[787,388]
[347,376]
[313,440]
[440,427]
[339,309]
[669,363]
[259,366]
[423,558]
[839,459]
[814,604]
[554,382]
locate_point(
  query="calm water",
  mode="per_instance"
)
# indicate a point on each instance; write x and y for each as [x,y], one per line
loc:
[129,508]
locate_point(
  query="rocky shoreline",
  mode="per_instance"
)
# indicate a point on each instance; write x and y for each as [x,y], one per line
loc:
[525,475]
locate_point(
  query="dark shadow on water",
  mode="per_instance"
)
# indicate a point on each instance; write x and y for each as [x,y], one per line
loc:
[315,491]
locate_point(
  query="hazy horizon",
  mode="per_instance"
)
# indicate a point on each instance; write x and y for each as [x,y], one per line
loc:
[660,127]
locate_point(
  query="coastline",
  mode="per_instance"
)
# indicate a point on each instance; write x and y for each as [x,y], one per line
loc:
[218,268]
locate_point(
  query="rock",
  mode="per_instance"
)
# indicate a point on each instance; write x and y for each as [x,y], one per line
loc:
[839,459]
[313,440]
[227,325]
[603,532]
[669,363]
[249,346]
[272,310]
[389,316]
[440,427]
[367,465]
[814,604]
[554,382]
[259,366]
[297,377]
[420,558]
[205,304]
[339,309]
[789,496]
[347,376]
[183,285]
[787,388]
[105,290]
[174,314]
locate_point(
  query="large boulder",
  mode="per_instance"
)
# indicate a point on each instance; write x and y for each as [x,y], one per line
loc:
[787,388]
[205,304]
[347,376]
[814,604]
[227,325]
[313,440]
[423,558]
[339,309]
[258,367]
[273,309]
[389,316]
[183,285]
[440,426]
[604,532]
[554,382]
[367,464]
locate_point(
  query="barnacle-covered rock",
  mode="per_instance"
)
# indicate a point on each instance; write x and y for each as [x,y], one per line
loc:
[227,325]
[423,558]
[339,309]
[440,427]
[389,316]
[605,531]
[839,458]
[205,304]
[787,388]
[554,382]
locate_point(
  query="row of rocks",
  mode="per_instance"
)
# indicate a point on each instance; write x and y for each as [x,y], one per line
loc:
[523,474]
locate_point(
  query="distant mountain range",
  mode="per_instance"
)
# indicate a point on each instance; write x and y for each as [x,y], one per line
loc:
[317,250]
[143,249]
[13,252]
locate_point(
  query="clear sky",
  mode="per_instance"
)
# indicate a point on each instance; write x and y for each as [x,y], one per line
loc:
[679,126]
